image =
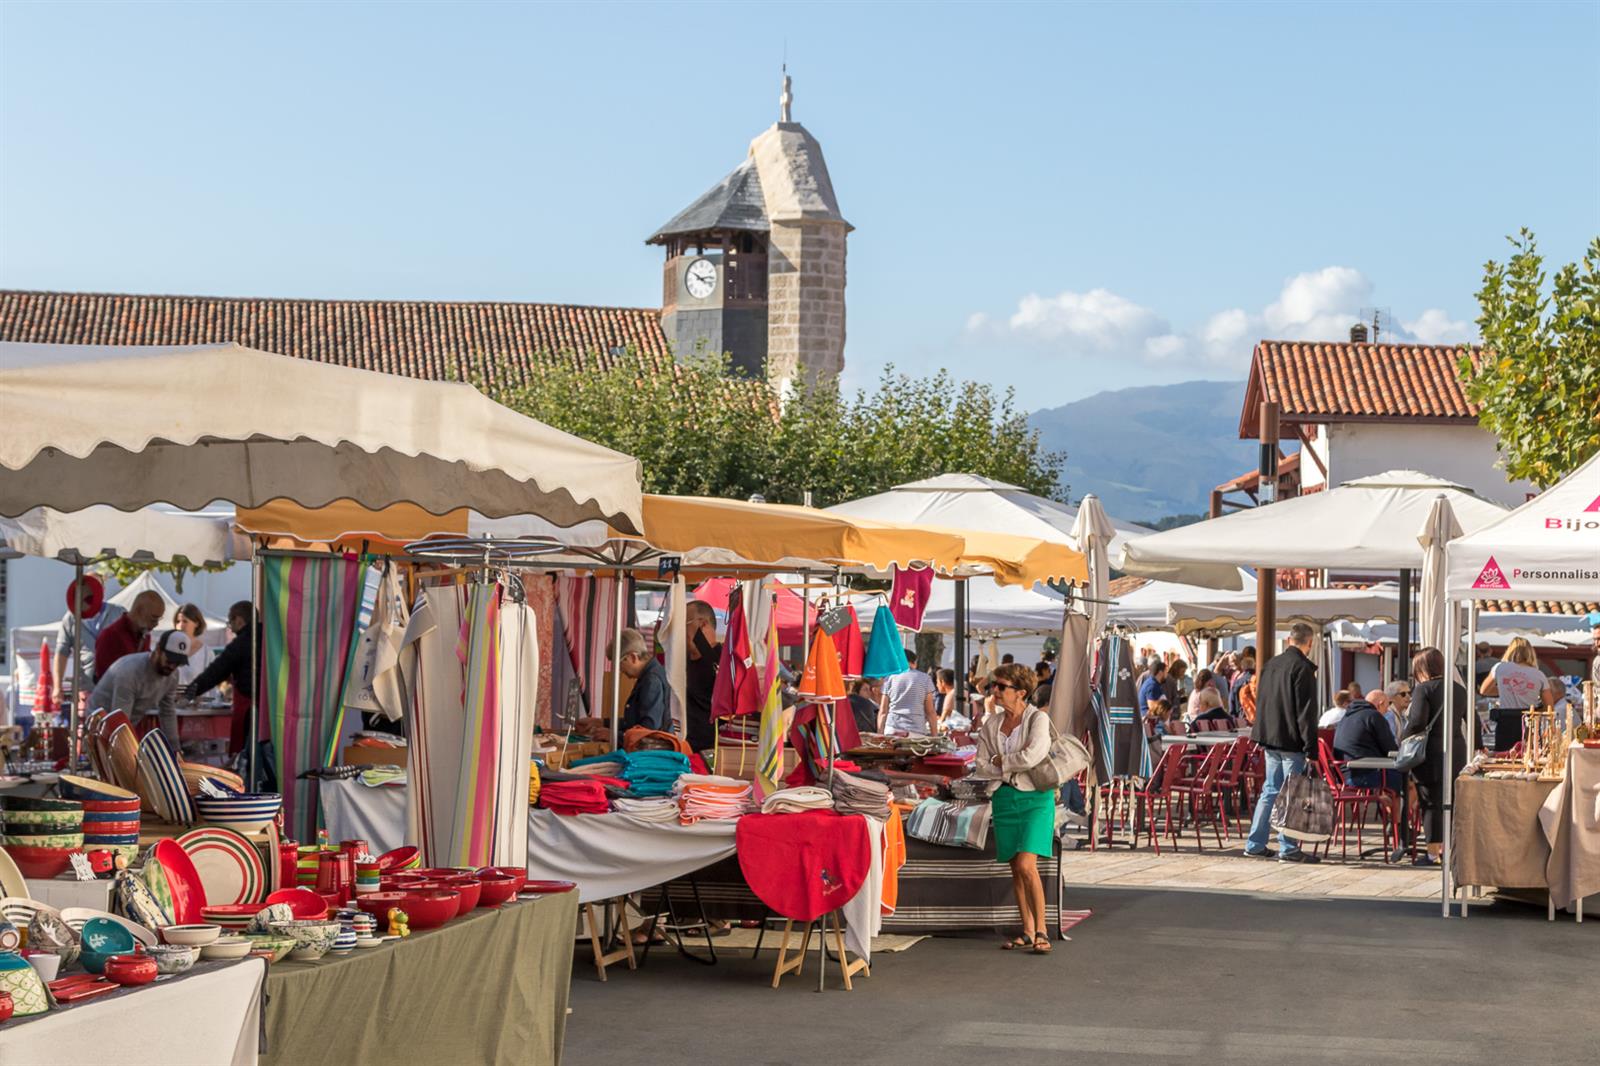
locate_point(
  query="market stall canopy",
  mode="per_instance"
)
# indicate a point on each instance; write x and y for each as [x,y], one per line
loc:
[995,610]
[1548,549]
[1495,628]
[1221,616]
[1370,524]
[968,501]
[132,426]
[344,525]
[1145,608]
[150,534]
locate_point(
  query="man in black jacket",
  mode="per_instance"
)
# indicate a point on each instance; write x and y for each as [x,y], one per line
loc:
[1286,727]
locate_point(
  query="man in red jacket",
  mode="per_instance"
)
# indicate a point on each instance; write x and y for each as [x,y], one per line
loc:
[130,633]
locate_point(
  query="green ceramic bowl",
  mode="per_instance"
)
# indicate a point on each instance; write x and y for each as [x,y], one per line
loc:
[44,840]
[28,803]
[43,821]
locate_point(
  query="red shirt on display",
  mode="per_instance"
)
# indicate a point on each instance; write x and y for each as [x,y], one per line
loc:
[116,640]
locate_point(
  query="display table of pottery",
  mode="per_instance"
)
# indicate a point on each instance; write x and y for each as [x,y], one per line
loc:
[208,1016]
[490,986]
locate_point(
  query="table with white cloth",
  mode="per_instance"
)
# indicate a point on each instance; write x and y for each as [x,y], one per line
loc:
[208,1017]
[606,855]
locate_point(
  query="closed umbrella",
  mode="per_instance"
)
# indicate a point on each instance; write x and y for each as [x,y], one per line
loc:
[1439,530]
[44,693]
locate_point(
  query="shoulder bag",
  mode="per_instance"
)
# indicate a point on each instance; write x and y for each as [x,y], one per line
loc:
[1414,748]
[1066,759]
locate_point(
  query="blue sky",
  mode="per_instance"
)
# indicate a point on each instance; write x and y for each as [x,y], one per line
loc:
[1060,198]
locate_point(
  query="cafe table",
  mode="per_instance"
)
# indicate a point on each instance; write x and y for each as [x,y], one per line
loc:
[488,987]
[209,1016]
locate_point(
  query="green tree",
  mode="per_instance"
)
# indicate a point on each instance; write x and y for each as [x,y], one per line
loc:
[699,428]
[1537,379]
[127,571]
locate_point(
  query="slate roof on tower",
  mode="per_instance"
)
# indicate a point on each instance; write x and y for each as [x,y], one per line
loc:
[734,203]
[417,338]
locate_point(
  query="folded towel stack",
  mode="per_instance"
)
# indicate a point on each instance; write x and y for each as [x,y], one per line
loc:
[653,773]
[804,798]
[574,797]
[858,795]
[656,809]
[704,797]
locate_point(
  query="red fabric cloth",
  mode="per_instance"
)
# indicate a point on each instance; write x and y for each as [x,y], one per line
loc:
[806,864]
[792,614]
[574,797]
[910,596]
[116,640]
[697,764]
[852,653]
[801,774]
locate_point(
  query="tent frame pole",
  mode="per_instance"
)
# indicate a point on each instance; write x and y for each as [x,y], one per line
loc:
[616,667]
[960,641]
[257,651]
[1403,637]
[74,744]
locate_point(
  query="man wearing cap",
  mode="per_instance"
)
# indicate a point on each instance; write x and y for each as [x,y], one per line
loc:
[146,682]
[130,633]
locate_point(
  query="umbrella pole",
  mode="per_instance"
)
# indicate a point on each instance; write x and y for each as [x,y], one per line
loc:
[960,640]
[1403,638]
[616,668]
[1471,608]
[253,719]
[1448,776]
[74,746]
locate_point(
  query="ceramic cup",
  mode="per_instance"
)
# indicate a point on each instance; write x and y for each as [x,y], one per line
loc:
[47,963]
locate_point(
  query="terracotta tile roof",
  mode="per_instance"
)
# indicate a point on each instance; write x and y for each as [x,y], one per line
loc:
[1532,607]
[417,338]
[1313,381]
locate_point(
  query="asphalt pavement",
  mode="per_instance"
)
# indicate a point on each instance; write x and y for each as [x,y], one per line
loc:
[1151,976]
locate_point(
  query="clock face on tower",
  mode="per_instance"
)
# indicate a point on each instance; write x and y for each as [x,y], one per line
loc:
[701,278]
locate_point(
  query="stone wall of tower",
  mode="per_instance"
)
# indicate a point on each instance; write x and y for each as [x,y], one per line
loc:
[805,298]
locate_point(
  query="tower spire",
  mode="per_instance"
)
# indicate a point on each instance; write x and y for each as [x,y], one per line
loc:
[787,99]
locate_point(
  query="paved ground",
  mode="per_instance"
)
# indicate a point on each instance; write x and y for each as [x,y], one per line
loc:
[1229,870]
[1153,976]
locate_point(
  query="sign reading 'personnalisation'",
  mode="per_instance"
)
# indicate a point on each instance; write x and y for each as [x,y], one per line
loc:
[1532,577]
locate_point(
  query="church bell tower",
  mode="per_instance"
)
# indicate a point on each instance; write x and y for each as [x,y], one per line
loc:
[756,265]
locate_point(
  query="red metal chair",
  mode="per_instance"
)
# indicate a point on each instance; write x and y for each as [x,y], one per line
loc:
[1155,794]
[1199,787]
[1233,780]
[1347,799]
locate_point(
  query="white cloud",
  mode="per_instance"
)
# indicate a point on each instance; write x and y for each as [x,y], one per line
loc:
[1435,326]
[1316,305]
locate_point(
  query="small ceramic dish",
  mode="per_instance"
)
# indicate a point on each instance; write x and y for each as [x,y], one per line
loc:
[191,936]
[227,947]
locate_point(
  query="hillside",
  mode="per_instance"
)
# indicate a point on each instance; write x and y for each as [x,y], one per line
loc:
[1152,450]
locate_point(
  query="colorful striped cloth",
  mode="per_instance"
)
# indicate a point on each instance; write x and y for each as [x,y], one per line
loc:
[308,627]
[472,844]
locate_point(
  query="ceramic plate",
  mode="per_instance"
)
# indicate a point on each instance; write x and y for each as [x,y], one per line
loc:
[274,864]
[11,879]
[19,910]
[124,758]
[229,866]
[160,767]
[188,890]
[399,859]
[547,887]
[76,916]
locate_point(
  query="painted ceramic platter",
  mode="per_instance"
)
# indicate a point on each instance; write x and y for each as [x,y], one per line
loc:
[76,916]
[19,910]
[188,890]
[11,879]
[124,758]
[274,865]
[159,770]
[547,887]
[229,866]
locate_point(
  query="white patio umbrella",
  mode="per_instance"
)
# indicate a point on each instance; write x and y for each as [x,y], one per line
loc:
[132,426]
[1437,532]
[1369,524]
[1145,608]
[994,609]
[1234,613]
[1094,534]
[150,534]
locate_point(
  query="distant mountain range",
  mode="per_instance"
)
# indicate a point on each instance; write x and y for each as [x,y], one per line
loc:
[1153,450]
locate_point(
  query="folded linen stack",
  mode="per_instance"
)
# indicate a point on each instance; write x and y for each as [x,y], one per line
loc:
[704,797]
[608,764]
[803,798]
[574,797]
[858,795]
[654,809]
[653,773]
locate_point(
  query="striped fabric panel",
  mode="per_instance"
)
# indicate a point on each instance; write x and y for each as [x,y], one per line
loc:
[476,810]
[308,614]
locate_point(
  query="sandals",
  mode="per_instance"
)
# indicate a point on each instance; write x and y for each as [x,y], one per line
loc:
[1041,944]
[1014,943]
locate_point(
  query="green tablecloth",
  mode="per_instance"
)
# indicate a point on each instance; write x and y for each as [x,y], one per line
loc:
[488,988]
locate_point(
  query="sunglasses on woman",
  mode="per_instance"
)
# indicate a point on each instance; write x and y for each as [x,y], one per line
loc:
[1003,684]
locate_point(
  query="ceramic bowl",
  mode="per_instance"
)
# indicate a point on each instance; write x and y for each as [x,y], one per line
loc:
[429,908]
[172,958]
[510,871]
[303,902]
[227,947]
[103,939]
[277,947]
[46,964]
[8,1006]
[308,937]
[243,814]
[471,890]
[191,936]
[22,982]
[497,888]
[48,931]
[41,863]
[28,803]
[406,858]
[99,841]
[268,914]
[128,808]
[377,904]
[78,918]
[70,839]
[131,970]
[345,942]
[29,822]
[93,832]
[87,788]
[368,942]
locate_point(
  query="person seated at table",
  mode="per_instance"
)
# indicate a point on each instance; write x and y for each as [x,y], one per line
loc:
[650,702]
[864,704]
[1333,715]
[1151,688]
[1041,695]
[950,716]
[1364,733]
[1168,719]
[1519,685]
[1397,696]
[1209,701]
[146,683]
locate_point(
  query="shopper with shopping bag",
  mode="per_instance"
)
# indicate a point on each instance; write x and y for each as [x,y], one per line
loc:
[1286,728]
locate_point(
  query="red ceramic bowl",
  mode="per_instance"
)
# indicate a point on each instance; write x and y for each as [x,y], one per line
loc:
[497,888]
[396,860]
[305,903]
[40,863]
[429,908]
[7,1006]
[469,889]
[130,970]
[511,871]
[128,807]
[377,904]
[111,829]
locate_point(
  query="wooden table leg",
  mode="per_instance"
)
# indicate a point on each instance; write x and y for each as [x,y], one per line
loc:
[603,959]
[846,967]
[787,965]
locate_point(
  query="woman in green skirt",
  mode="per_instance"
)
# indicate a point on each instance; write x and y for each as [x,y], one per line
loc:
[1012,741]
